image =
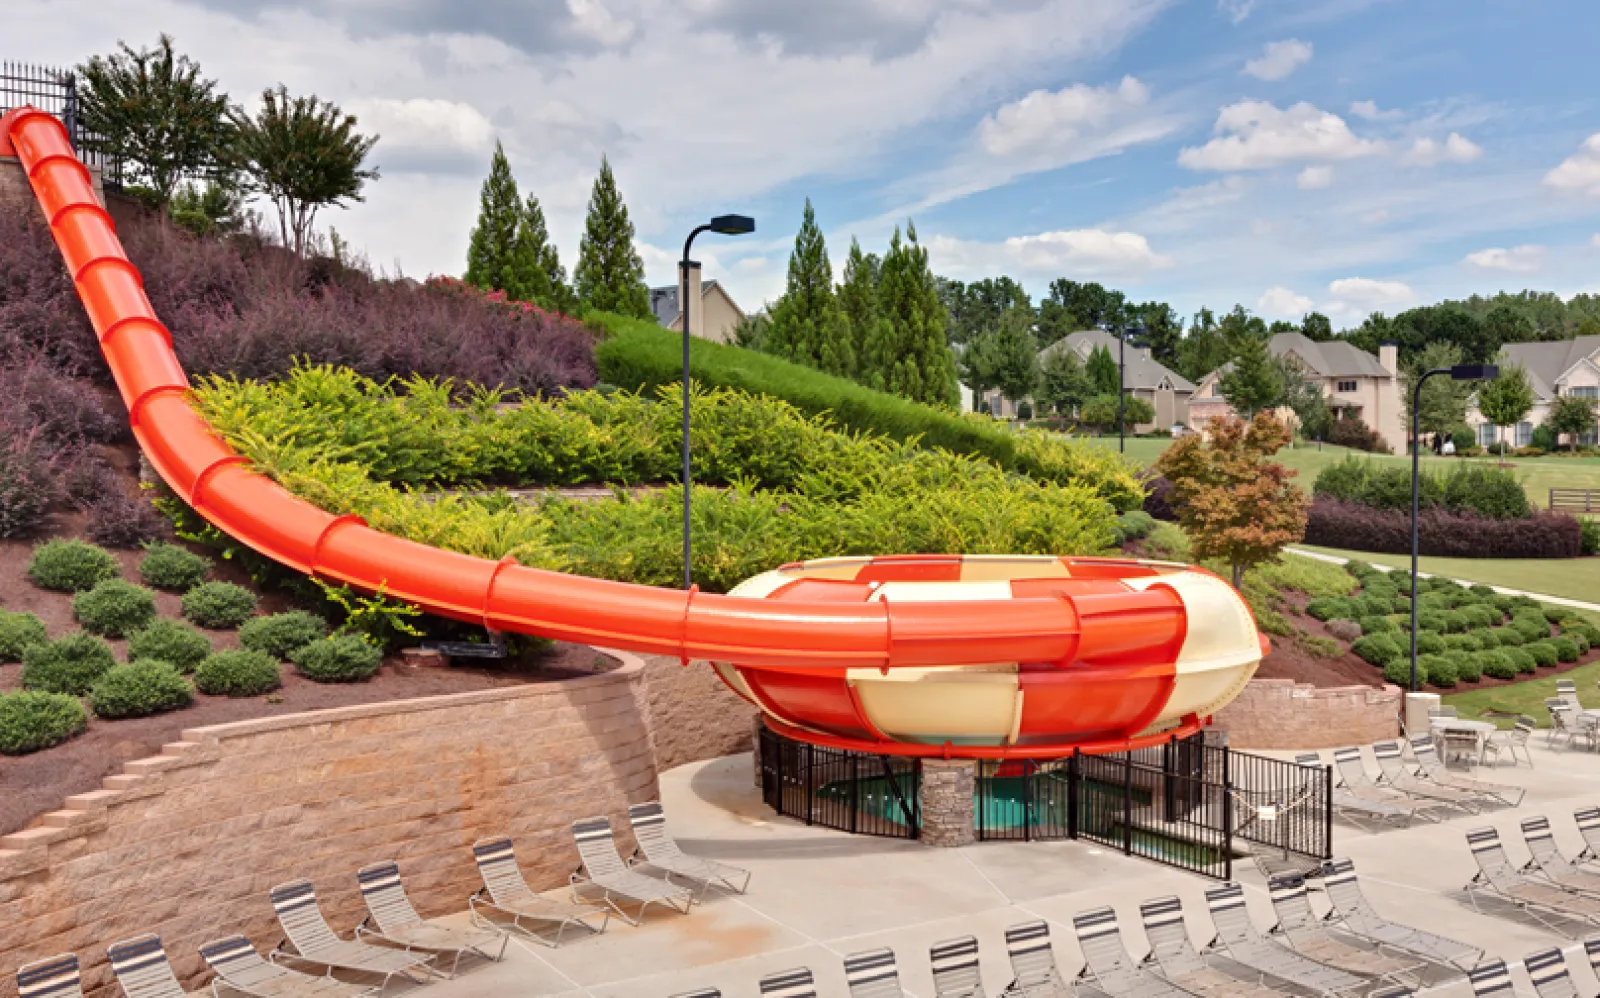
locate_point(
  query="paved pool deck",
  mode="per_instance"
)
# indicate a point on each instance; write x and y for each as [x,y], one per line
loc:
[817,895]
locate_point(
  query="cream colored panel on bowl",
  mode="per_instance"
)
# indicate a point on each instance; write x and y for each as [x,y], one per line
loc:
[735,679]
[942,592]
[761,586]
[1221,648]
[966,703]
[1004,568]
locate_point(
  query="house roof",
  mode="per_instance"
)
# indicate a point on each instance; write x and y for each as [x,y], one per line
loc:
[664,301]
[1332,359]
[1141,371]
[1546,363]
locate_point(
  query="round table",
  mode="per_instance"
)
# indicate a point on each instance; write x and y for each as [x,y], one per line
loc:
[1481,729]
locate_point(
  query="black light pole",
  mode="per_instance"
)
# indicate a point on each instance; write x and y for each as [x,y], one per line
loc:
[727,225]
[1137,332]
[1461,372]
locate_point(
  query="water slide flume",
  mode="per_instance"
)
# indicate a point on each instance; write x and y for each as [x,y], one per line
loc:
[919,655]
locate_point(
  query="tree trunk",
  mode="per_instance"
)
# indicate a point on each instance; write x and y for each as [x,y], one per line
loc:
[1238,576]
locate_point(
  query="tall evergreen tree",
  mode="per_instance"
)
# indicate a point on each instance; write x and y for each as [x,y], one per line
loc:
[1063,383]
[914,360]
[807,324]
[539,276]
[866,328]
[1103,372]
[1255,382]
[491,255]
[610,273]
[1016,358]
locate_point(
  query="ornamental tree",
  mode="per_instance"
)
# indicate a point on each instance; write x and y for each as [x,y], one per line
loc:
[1508,398]
[1573,414]
[1234,504]
[1103,371]
[808,326]
[610,272]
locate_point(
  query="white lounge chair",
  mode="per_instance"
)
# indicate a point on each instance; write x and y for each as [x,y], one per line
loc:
[314,942]
[604,869]
[506,894]
[392,919]
[649,823]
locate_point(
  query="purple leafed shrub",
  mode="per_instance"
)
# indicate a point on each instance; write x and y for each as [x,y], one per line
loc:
[1441,532]
[68,410]
[27,480]
[119,520]
[1158,500]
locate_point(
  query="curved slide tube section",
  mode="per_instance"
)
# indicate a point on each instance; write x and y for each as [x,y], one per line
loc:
[1063,626]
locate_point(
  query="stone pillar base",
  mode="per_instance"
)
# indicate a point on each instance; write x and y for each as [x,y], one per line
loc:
[756,727]
[947,789]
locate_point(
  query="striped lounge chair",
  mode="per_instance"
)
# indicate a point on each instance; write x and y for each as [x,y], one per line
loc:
[659,850]
[241,970]
[507,902]
[873,974]
[312,941]
[617,882]
[392,919]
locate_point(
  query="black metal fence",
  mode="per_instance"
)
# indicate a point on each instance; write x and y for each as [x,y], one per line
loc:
[56,91]
[1186,802]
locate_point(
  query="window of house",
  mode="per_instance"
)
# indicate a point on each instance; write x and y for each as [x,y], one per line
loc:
[1524,434]
[1346,386]
[1486,433]
[1585,391]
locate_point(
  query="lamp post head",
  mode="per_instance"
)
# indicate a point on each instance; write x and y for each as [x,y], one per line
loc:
[733,225]
[1475,372]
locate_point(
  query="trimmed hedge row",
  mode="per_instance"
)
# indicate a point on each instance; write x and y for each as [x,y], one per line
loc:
[1441,532]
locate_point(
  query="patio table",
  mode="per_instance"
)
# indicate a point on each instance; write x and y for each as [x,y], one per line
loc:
[1481,729]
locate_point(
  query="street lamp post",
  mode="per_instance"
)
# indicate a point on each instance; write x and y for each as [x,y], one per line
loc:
[1137,332]
[727,225]
[1461,372]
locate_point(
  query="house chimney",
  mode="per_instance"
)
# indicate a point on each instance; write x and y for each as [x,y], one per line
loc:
[691,296]
[1389,357]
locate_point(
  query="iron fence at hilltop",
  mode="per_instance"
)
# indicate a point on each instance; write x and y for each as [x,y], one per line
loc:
[56,91]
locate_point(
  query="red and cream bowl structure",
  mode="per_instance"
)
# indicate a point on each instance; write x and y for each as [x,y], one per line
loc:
[1160,647]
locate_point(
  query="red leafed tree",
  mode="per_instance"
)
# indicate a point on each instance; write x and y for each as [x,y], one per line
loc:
[1233,503]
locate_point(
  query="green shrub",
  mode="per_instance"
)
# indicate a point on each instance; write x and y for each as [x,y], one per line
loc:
[18,631]
[1531,629]
[1321,647]
[1506,604]
[1441,671]
[1431,622]
[1135,524]
[173,568]
[218,605]
[1481,590]
[1554,614]
[238,674]
[1377,649]
[1328,607]
[114,608]
[1468,670]
[345,659]
[282,633]
[1378,625]
[1526,664]
[1398,672]
[1590,542]
[1497,665]
[69,664]
[1508,637]
[1566,649]
[170,641]
[30,721]
[1454,621]
[1575,625]
[1402,604]
[1429,643]
[1460,642]
[1543,653]
[1168,541]
[1581,640]
[71,566]
[137,690]
[1373,606]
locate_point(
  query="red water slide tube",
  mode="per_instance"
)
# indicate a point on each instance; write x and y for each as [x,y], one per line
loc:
[810,637]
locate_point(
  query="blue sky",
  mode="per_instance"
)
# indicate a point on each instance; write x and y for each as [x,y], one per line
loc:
[1344,155]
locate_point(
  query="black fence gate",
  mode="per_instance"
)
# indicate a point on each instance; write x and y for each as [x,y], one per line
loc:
[851,791]
[56,91]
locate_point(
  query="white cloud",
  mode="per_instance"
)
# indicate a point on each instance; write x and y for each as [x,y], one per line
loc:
[1236,10]
[1253,135]
[1368,110]
[590,19]
[1279,59]
[1580,172]
[1455,149]
[1594,240]
[1354,298]
[425,134]
[1047,121]
[1314,178]
[1278,302]
[1516,260]
[1094,252]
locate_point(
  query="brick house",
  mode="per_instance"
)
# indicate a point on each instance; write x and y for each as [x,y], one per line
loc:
[1564,367]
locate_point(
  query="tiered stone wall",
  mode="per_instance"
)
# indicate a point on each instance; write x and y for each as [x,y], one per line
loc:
[188,843]
[693,714]
[1283,714]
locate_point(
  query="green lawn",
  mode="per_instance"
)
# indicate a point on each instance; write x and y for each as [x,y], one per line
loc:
[1572,578]
[1527,698]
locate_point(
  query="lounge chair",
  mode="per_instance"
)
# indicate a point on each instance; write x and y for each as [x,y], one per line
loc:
[662,852]
[1547,969]
[872,974]
[54,977]
[314,942]
[1313,938]
[1033,962]
[603,868]
[1491,979]
[1550,861]
[1430,767]
[955,968]
[1391,991]
[1588,819]
[1108,963]
[1183,965]
[1353,777]
[1541,900]
[141,968]
[506,893]
[1352,910]
[1397,777]
[1244,944]
[702,993]
[240,968]
[392,919]
[796,983]
[1513,741]
[1359,809]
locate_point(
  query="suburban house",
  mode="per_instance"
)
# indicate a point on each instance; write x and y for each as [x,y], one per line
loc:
[714,316]
[1563,367]
[1355,383]
[1143,376]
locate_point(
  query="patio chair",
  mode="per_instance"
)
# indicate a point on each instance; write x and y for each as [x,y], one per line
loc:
[314,942]
[955,968]
[1183,965]
[1311,937]
[1359,809]
[603,867]
[1462,746]
[1541,900]
[1549,860]
[661,851]
[1588,819]
[1513,741]
[1585,729]
[54,977]
[505,892]
[239,968]
[392,919]
[796,983]
[1429,767]
[1562,727]
[1443,710]
[873,974]
[1108,963]
[1238,937]
[141,968]
[1567,689]
[1352,910]
[1397,777]
[1491,979]
[1033,962]
[1547,969]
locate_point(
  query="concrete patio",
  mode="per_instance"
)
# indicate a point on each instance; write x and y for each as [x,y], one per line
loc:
[818,895]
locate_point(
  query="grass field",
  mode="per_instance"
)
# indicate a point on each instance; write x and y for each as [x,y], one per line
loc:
[1571,578]
[1526,698]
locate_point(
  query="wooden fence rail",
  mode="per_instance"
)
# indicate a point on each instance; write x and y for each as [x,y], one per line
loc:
[1575,500]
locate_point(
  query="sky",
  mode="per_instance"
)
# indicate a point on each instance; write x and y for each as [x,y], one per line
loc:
[1346,156]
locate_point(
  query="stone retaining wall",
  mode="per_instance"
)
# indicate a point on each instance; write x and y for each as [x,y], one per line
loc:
[1283,714]
[693,714]
[188,843]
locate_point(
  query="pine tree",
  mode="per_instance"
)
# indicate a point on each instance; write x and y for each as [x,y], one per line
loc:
[491,254]
[540,278]
[866,326]
[610,274]
[916,361]
[807,324]
[1102,370]
[1254,383]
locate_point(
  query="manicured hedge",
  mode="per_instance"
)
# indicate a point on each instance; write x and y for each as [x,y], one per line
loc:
[1443,533]
[343,659]
[173,568]
[30,721]
[1474,487]
[115,608]
[238,673]
[170,641]
[140,689]
[19,631]
[71,566]
[69,664]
